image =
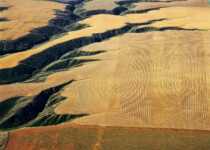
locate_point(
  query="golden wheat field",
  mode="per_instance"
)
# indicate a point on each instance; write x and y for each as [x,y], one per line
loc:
[175,3]
[24,15]
[150,83]
[96,74]
[96,23]
[100,4]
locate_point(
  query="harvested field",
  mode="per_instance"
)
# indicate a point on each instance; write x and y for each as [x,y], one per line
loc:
[138,80]
[151,83]
[105,74]
[100,4]
[185,3]
[24,15]
[182,15]
[74,137]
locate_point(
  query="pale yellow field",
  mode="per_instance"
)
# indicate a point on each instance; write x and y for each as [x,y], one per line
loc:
[152,79]
[173,3]
[180,16]
[100,4]
[161,84]
[110,119]
[24,15]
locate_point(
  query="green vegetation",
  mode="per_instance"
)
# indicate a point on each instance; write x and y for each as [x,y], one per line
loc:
[33,111]
[43,63]
[3,140]
[38,110]
[3,8]
[65,21]
[74,27]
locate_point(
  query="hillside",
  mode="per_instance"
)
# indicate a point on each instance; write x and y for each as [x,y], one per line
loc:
[90,72]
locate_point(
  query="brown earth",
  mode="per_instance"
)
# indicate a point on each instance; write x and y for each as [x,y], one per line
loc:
[72,136]
[156,79]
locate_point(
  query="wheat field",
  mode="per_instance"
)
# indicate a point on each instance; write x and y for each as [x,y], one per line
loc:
[114,74]
[151,82]
[155,83]
[24,15]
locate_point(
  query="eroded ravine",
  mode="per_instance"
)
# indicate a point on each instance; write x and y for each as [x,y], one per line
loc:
[140,67]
